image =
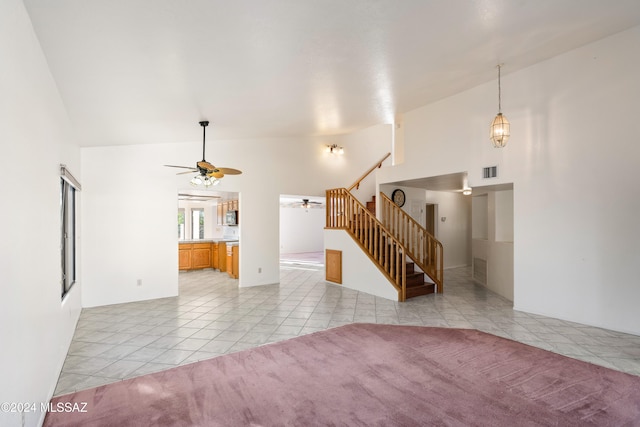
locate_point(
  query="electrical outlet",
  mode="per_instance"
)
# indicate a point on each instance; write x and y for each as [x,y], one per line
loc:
[139,283]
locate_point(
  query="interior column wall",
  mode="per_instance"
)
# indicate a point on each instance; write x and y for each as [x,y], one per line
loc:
[35,132]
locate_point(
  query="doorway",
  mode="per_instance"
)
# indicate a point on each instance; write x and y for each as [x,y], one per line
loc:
[430,218]
[302,221]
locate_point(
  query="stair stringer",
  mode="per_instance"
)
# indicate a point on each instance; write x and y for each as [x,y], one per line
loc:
[357,271]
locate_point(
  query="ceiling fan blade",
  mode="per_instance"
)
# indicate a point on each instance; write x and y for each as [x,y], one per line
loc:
[229,171]
[216,173]
[203,164]
[184,173]
[181,167]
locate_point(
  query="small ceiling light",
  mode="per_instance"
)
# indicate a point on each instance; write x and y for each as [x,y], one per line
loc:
[334,149]
[500,128]
[466,191]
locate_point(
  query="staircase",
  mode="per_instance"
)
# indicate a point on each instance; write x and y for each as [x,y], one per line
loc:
[417,282]
[423,248]
[371,205]
[409,257]
[387,251]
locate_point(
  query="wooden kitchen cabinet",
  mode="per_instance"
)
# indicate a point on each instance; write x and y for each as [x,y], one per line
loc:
[184,256]
[201,255]
[223,208]
[219,255]
[220,216]
[214,255]
[230,260]
[222,256]
[233,253]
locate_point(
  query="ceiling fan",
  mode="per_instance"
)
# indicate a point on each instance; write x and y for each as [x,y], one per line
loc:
[207,173]
[306,204]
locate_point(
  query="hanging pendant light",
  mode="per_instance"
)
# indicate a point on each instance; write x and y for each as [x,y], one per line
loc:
[500,128]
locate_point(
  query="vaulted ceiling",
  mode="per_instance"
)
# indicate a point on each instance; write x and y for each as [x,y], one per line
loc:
[145,71]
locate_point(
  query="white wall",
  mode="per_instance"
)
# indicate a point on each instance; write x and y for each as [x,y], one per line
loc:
[129,226]
[572,159]
[358,271]
[302,230]
[117,252]
[367,146]
[35,137]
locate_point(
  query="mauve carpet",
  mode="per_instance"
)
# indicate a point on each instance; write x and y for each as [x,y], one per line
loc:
[370,375]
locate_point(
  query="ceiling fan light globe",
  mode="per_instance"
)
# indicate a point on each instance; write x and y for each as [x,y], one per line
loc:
[216,181]
[196,180]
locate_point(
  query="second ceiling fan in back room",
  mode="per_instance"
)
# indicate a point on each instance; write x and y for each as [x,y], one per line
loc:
[207,173]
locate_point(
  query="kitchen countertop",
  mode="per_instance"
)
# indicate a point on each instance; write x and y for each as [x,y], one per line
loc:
[208,241]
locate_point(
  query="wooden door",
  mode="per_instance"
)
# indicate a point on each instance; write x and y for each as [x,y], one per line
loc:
[430,222]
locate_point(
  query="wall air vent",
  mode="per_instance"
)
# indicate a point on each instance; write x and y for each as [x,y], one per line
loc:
[490,172]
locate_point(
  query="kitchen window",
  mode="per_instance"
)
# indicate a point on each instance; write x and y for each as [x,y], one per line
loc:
[181,224]
[197,224]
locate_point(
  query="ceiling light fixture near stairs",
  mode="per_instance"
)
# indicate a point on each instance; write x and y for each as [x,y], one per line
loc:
[335,149]
[208,174]
[500,128]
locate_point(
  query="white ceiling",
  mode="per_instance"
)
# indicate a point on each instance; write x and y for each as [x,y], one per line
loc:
[144,71]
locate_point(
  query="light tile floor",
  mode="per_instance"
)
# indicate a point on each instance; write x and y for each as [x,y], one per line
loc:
[212,316]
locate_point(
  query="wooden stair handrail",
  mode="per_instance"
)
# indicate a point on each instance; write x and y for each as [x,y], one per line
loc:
[422,247]
[345,212]
[359,180]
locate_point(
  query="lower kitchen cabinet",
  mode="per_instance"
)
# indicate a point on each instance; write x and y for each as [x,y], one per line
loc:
[218,255]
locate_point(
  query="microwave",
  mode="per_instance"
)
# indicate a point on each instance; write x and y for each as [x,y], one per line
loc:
[232,218]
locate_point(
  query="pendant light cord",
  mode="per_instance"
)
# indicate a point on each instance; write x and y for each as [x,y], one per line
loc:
[499,91]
